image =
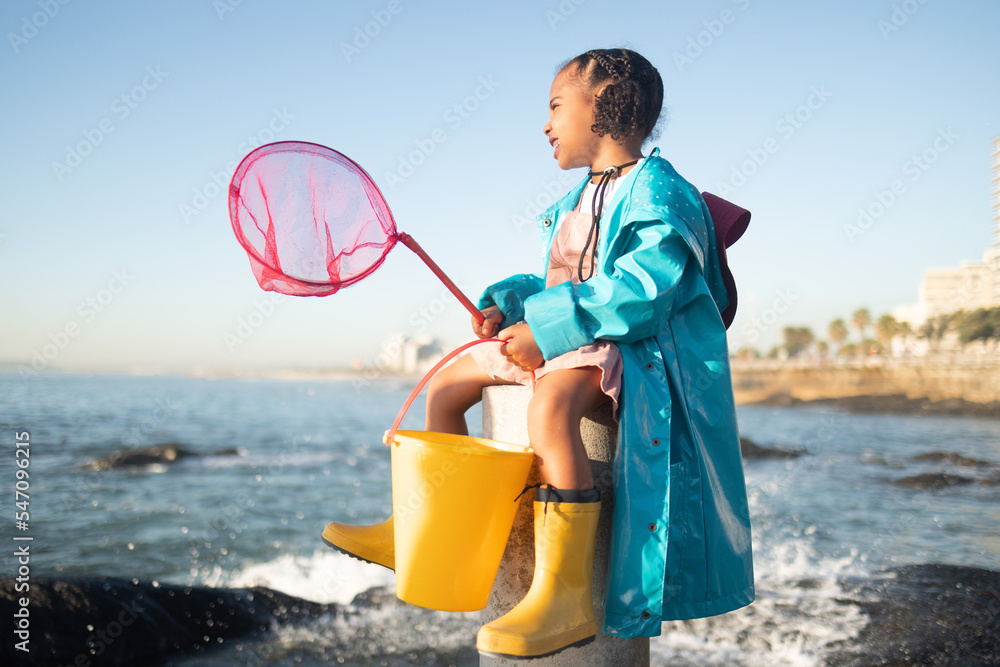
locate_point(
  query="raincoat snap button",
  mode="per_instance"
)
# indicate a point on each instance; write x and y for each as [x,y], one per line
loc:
[646,615]
[546,222]
[652,527]
[649,366]
[656,442]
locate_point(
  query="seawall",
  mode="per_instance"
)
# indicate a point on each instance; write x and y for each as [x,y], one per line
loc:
[976,382]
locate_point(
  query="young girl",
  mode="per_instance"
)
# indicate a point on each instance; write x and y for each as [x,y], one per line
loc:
[627,310]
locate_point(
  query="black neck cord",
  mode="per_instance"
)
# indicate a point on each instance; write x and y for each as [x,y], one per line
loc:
[596,210]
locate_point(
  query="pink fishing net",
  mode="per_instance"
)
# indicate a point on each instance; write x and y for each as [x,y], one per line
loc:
[310,219]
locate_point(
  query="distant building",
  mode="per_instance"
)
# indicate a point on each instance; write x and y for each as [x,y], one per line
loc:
[420,354]
[402,354]
[970,285]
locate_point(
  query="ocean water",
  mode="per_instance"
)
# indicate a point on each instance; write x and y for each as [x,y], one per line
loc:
[310,451]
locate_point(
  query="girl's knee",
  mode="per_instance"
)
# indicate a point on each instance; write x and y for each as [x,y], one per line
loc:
[440,392]
[548,406]
[452,389]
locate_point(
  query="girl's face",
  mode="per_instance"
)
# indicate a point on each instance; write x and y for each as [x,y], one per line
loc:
[571,115]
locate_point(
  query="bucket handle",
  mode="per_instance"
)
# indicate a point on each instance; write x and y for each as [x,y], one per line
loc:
[390,435]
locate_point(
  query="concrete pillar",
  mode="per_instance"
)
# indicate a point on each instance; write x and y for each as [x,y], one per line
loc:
[504,419]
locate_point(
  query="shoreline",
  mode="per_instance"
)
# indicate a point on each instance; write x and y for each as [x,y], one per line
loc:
[899,404]
[967,390]
[921,389]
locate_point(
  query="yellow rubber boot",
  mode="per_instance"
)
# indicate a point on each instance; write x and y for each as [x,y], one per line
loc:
[374,544]
[558,611]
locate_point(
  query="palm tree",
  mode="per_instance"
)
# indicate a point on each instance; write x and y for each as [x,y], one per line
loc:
[934,329]
[837,332]
[860,320]
[886,329]
[798,340]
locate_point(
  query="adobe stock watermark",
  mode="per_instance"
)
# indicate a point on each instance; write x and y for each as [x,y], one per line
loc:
[223,7]
[121,108]
[540,202]
[364,34]
[86,483]
[414,502]
[786,127]
[229,518]
[760,323]
[87,311]
[263,310]
[103,638]
[562,12]
[900,16]
[217,182]
[454,116]
[392,350]
[31,25]
[913,170]
[702,41]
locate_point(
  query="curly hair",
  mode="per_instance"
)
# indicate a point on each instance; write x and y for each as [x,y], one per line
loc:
[630,104]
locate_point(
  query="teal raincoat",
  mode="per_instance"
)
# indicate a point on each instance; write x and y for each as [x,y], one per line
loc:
[680,544]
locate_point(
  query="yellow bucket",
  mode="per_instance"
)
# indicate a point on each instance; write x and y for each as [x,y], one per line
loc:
[453,502]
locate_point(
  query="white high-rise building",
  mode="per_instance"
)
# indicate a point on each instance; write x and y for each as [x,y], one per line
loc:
[992,256]
[970,285]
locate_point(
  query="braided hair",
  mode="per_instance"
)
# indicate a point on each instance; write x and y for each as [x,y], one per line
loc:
[631,103]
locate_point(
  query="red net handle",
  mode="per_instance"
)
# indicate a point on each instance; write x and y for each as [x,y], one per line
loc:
[391,433]
[410,243]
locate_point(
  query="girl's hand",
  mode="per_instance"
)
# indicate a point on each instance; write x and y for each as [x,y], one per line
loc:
[489,328]
[519,347]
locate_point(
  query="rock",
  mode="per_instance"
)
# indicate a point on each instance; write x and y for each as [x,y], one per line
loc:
[927,614]
[165,453]
[112,622]
[752,450]
[950,457]
[932,480]
[780,400]
[924,614]
[376,598]
[892,404]
[226,451]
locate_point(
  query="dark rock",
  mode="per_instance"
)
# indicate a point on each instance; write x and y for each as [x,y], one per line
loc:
[376,598]
[950,457]
[932,480]
[165,453]
[928,614]
[892,404]
[112,621]
[872,460]
[752,450]
[781,401]
[226,451]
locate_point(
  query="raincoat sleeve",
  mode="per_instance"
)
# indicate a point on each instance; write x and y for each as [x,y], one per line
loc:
[509,295]
[626,302]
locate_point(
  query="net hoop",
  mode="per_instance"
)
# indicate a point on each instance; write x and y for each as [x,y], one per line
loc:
[268,270]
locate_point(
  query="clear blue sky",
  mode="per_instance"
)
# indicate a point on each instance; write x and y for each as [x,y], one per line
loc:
[102,262]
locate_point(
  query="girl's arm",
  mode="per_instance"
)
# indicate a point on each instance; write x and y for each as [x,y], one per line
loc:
[509,295]
[632,302]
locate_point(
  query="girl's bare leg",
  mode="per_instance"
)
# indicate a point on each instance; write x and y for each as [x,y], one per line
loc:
[454,390]
[560,401]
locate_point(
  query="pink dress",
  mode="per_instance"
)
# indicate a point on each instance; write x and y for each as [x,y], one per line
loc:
[564,260]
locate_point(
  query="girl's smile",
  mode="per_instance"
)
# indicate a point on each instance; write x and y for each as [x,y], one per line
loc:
[570,129]
[571,116]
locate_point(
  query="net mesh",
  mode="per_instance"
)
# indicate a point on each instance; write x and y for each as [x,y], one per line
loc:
[311,219]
